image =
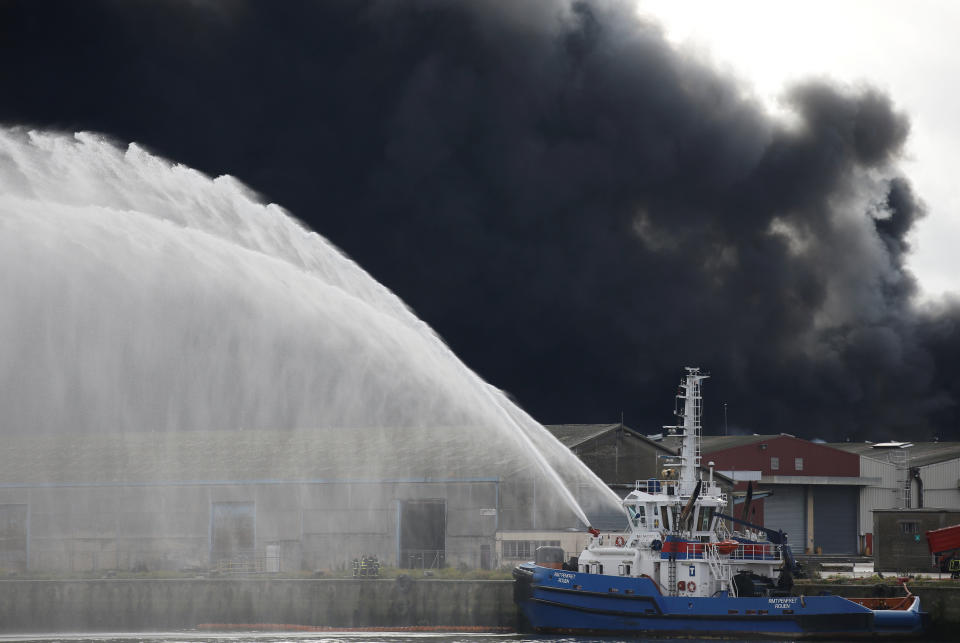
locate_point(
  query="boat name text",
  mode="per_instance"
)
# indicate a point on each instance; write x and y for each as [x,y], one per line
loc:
[782,602]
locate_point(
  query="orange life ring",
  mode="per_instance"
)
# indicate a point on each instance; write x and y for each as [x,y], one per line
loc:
[682,585]
[691,586]
[620,541]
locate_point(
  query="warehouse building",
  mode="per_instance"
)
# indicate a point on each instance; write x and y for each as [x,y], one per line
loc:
[919,490]
[813,489]
[292,501]
[261,501]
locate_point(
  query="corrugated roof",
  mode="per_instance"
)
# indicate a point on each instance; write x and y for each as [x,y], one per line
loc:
[920,453]
[714,443]
[572,435]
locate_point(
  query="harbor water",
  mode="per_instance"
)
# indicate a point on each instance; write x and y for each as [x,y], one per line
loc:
[326,637]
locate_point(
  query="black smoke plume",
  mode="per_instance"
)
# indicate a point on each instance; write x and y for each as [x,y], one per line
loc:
[579,209]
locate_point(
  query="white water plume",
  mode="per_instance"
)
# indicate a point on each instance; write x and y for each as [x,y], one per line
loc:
[140,296]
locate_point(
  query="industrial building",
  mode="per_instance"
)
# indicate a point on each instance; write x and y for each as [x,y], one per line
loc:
[825,496]
[299,500]
[919,491]
[291,500]
[813,490]
[899,535]
[260,500]
[616,453]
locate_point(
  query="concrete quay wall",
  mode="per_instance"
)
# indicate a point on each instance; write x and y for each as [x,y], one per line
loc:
[177,604]
[145,605]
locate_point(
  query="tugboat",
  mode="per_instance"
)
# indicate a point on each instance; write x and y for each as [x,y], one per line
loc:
[678,570]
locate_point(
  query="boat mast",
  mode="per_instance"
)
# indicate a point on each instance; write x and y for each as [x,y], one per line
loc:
[688,458]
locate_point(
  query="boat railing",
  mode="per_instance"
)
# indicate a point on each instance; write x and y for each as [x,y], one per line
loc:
[703,551]
[758,551]
[655,485]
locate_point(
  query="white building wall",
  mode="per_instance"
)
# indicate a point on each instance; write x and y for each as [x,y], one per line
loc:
[941,484]
[883,496]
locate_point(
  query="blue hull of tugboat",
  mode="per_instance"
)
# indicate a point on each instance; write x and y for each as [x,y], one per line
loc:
[556,601]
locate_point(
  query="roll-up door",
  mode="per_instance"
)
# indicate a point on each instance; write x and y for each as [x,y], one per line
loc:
[785,509]
[835,519]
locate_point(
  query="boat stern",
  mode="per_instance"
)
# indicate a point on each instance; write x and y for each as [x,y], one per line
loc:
[909,622]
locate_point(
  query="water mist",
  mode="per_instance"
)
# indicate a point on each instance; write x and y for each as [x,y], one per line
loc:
[143,300]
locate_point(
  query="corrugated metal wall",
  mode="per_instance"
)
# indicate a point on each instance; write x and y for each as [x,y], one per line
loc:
[883,496]
[786,510]
[940,482]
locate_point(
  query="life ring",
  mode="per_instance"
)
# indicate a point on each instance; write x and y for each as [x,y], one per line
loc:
[691,586]
[620,542]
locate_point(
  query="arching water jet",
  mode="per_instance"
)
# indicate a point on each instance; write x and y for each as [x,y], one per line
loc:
[145,298]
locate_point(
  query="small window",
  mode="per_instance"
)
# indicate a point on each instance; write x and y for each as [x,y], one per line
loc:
[775,463]
[909,527]
[798,464]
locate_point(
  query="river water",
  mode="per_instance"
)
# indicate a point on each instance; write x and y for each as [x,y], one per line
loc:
[325,637]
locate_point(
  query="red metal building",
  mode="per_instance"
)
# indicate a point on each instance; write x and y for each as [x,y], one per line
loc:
[814,489]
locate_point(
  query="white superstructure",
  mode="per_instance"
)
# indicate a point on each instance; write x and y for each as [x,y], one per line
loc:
[674,534]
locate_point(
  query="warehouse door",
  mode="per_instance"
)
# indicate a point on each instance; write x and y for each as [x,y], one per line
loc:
[835,519]
[785,509]
[13,538]
[232,533]
[423,533]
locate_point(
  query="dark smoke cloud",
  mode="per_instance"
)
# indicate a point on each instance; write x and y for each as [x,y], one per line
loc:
[578,208]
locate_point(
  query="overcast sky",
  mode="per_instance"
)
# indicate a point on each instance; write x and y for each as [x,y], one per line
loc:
[908,49]
[578,201]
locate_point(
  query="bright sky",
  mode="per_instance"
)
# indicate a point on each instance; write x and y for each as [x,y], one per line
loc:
[907,48]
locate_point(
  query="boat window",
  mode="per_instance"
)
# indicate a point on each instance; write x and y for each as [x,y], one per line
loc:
[637,516]
[705,518]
